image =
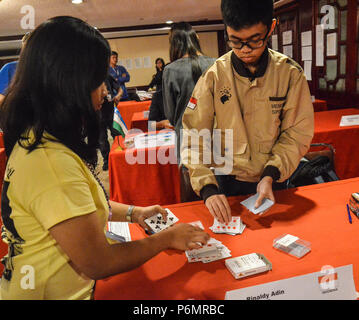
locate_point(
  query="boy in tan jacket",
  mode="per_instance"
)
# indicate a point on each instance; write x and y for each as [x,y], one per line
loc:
[251,110]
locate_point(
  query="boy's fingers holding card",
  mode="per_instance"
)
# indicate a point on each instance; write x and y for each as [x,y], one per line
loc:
[259,201]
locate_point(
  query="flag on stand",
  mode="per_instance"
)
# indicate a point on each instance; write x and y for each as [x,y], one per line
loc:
[118,123]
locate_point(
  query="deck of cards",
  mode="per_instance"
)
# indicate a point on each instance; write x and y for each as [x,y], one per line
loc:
[248,265]
[157,223]
[249,204]
[212,251]
[236,226]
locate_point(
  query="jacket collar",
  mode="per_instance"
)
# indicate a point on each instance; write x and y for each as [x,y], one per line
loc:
[242,69]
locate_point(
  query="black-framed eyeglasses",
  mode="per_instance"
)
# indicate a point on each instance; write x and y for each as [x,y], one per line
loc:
[251,44]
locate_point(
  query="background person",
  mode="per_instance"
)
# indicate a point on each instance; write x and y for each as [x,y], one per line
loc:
[157,113]
[54,208]
[180,76]
[263,97]
[112,97]
[120,74]
[157,78]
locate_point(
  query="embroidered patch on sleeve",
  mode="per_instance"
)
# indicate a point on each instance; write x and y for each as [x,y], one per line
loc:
[192,104]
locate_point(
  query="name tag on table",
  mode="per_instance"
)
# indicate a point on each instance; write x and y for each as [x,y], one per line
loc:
[352,120]
[328,284]
[155,140]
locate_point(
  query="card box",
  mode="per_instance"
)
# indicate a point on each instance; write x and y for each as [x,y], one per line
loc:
[292,245]
[248,265]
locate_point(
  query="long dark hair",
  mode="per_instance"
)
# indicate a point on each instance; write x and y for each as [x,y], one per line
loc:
[163,64]
[184,40]
[63,61]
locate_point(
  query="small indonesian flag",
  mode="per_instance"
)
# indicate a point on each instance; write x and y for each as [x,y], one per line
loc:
[192,103]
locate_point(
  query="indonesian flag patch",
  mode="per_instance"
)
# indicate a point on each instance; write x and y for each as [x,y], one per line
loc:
[192,104]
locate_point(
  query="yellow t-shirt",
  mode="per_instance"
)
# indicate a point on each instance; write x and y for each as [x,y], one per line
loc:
[41,189]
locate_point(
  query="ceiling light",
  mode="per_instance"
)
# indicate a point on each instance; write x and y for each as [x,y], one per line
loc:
[169,22]
[76,1]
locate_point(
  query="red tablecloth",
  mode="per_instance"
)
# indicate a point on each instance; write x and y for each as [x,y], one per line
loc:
[139,121]
[343,139]
[320,105]
[128,108]
[143,184]
[314,213]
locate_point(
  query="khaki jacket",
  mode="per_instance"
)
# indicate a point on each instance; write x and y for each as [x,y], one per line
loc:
[271,121]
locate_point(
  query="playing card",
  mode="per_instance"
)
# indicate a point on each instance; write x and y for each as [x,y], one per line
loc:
[157,223]
[224,253]
[250,202]
[208,251]
[197,224]
[235,226]
[214,250]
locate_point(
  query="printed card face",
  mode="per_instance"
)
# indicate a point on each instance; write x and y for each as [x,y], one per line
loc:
[157,223]
[224,253]
[250,202]
[212,251]
[234,227]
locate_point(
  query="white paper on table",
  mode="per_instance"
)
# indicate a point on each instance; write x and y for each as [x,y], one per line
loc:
[120,228]
[331,44]
[287,240]
[308,70]
[288,51]
[154,140]
[338,285]
[352,120]
[307,53]
[319,53]
[306,38]
[287,37]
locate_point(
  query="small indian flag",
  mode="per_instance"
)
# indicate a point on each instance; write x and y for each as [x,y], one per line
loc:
[118,123]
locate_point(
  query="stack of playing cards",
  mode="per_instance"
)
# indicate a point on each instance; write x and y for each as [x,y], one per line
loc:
[249,204]
[212,251]
[157,223]
[248,265]
[236,226]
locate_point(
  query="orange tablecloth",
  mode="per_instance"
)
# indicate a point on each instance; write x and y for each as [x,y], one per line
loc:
[128,108]
[139,121]
[320,105]
[314,213]
[143,184]
[343,139]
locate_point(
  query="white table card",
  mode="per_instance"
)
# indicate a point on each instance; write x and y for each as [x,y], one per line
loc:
[328,284]
[352,120]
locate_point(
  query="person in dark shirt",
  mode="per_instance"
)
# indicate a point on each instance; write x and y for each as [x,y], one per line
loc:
[106,117]
[157,113]
[157,78]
